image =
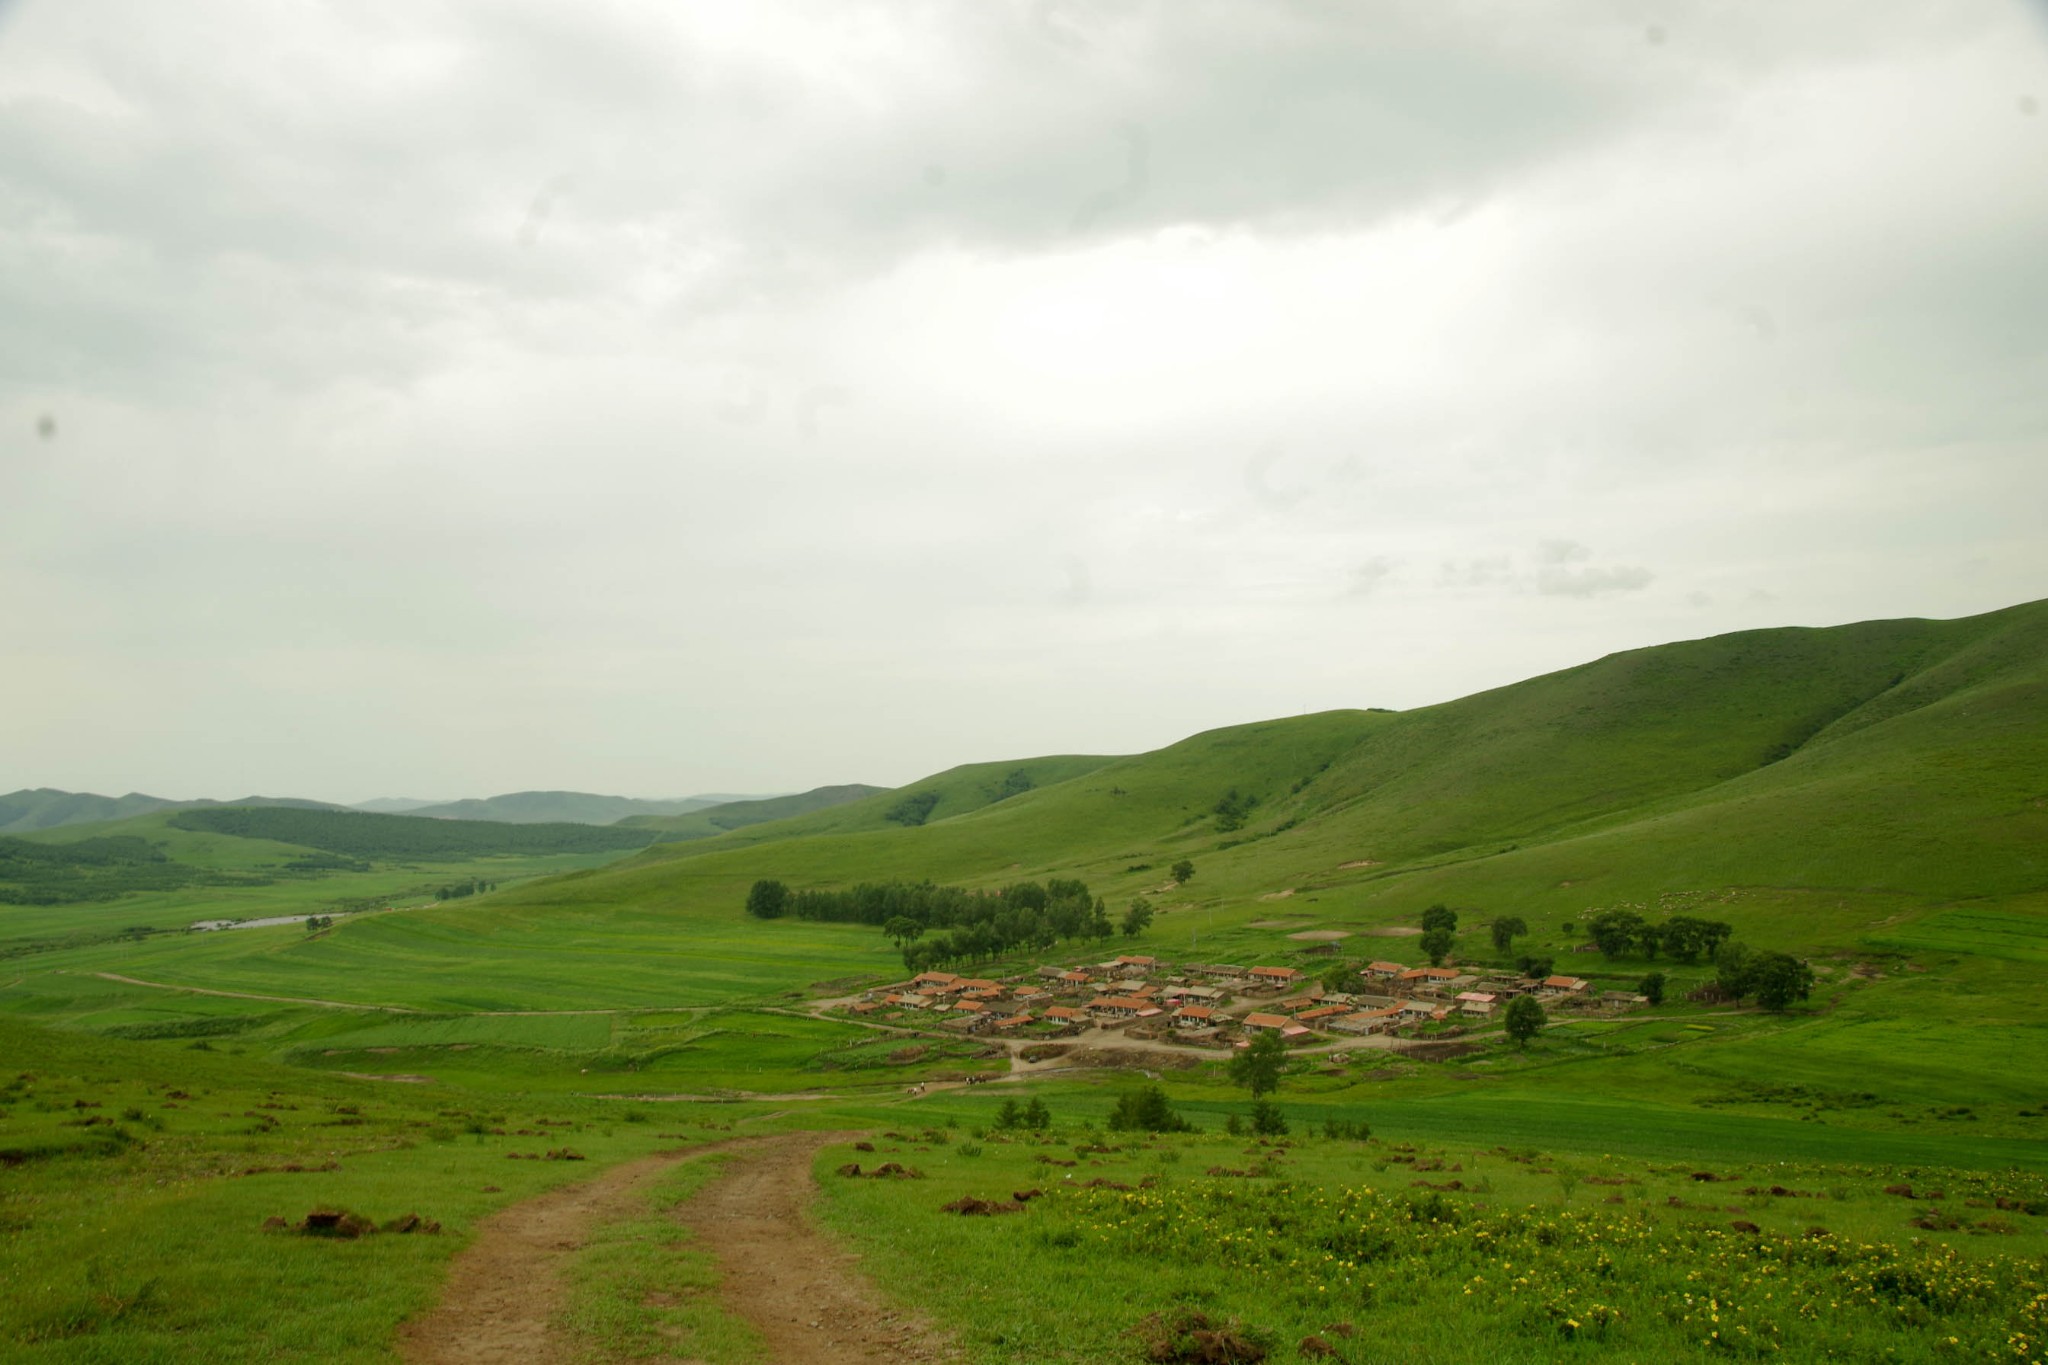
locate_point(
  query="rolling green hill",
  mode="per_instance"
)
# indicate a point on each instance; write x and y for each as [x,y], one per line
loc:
[538,808]
[360,834]
[713,821]
[1905,758]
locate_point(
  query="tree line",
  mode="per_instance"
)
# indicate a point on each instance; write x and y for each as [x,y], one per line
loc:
[936,926]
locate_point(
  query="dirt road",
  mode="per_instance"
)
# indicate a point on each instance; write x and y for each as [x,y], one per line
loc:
[795,1285]
[799,1289]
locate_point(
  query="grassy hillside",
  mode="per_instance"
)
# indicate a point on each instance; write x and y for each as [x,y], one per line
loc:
[359,834]
[713,821]
[536,808]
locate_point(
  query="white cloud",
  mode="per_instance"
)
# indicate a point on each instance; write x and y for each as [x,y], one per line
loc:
[457,396]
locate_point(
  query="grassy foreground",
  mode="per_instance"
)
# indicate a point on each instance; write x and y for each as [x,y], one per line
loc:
[1316,1248]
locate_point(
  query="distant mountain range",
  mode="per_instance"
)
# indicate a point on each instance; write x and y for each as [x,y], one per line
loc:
[542,808]
[40,808]
[34,808]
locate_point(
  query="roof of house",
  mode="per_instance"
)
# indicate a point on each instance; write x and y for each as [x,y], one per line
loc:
[1386,967]
[1119,1002]
[1566,983]
[1266,1021]
[1194,1012]
[1079,977]
[1476,997]
[971,1006]
[1325,1012]
[936,976]
[1064,1012]
[1014,1021]
[1129,961]
[1282,973]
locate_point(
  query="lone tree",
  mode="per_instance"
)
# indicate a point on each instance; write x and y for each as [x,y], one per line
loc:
[768,899]
[1183,871]
[1138,918]
[1651,988]
[1438,944]
[1145,1110]
[1505,928]
[1440,916]
[1257,1067]
[1524,1018]
[1777,979]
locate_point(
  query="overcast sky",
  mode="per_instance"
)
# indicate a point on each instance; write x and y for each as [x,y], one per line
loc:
[415,397]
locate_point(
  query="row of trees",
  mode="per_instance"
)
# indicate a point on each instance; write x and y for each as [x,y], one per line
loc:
[1685,938]
[934,926]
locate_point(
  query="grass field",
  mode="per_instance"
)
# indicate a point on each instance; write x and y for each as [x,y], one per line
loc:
[1874,798]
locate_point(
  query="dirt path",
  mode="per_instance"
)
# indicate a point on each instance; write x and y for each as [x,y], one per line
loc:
[780,1273]
[506,1286]
[798,1288]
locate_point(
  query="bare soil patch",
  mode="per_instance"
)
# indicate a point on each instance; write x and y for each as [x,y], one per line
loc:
[1358,862]
[1288,894]
[504,1289]
[1394,931]
[1133,1057]
[1320,935]
[1276,923]
[781,1274]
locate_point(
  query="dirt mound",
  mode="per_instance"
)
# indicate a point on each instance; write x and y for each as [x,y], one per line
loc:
[967,1206]
[338,1223]
[1188,1337]
[1043,1052]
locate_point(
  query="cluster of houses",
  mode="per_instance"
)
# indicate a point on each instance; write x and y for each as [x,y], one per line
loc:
[1214,1003]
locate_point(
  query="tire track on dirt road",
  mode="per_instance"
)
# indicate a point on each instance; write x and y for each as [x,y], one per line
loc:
[777,1270]
[796,1286]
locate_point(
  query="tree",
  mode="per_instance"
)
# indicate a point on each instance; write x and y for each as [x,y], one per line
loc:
[902,929]
[1137,919]
[1524,1018]
[1688,938]
[1145,1110]
[1440,916]
[1233,810]
[1777,979]
[1267,1120]
[1731,969]
[1616,933]
[1036,1116]
[1651,988]
[1183,872]
[1504,929]
[1536,967]
[1342,978]
[1257,1067]
[1010,1115]
[768,899]
[1438,944]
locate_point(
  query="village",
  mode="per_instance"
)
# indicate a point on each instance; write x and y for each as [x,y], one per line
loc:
[1221,1005]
